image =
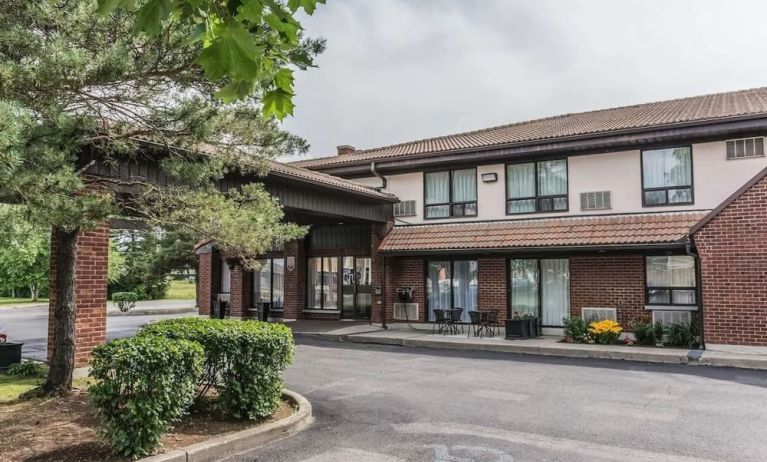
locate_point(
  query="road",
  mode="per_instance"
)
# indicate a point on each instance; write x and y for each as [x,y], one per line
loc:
[30,324]
[390,404]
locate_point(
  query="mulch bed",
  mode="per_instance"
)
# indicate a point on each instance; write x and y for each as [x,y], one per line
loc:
[64,429]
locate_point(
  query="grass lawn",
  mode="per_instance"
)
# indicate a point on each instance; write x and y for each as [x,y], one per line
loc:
[181,290]
[12,386]
[5,301]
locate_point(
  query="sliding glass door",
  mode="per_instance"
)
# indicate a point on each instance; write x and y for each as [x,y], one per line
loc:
[357,287]
[540,287]
[339,283]
[452,284]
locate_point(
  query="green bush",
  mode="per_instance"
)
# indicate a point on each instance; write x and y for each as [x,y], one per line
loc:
[125,300]
[27,369]
[143,385]
[659,330]
[682,334]
[244,359]
[576,330]
[644,333]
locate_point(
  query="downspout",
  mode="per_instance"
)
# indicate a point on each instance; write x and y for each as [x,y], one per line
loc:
[698,287]
[378,175]
[383,293]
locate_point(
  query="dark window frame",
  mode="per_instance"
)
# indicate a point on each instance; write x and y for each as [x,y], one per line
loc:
[426,286]
[451,203]
[537,198]
[670,289]
[271,283]
[538,259]
[666,189]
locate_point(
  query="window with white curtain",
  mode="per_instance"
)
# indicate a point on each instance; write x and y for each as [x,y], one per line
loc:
[670,280]
[450,193]
[452,284]
[667,176]
[269,283]
[536,187]
[540,288]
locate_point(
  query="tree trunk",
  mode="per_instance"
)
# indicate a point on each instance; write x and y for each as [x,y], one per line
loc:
[33,292]
[62,363]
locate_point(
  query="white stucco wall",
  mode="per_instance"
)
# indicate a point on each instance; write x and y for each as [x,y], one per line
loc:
[714,179]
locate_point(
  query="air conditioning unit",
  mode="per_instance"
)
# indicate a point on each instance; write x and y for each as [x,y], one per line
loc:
[406,312]
[598,314]
[671,317]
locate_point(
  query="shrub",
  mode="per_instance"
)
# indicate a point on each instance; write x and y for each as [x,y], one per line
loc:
[682,334]
[27,369]
[576,330]
[660,332]
[605,332]
[644,333]
[244,359]
[125,300]
[143,384]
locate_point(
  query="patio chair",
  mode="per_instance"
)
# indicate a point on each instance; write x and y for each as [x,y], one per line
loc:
[475,323]
[455,320]
[440,321]
[491,322]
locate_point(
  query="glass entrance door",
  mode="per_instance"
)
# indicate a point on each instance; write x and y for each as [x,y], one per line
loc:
[357,288]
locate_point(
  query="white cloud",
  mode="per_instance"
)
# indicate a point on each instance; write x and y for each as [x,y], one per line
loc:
[398,70]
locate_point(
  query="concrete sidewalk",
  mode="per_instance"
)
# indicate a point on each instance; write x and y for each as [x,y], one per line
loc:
[717,356]
[143,308]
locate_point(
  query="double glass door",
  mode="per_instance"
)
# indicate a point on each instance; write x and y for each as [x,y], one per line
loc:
[356,287]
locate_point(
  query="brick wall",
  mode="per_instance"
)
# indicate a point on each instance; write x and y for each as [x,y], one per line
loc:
[204,283]
[733,251]
[90,293]
[403,272]
[295,281]
[609,281]
[492,284]
[239,293]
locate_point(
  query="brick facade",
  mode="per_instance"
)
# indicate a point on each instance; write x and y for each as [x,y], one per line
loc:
[404,272]
[493,285]
[733,251]
[295,281]
[90,293]
[609,281]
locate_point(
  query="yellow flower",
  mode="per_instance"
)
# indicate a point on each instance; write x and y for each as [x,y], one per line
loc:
[605,326]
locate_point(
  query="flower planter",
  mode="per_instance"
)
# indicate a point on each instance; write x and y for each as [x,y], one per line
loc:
[10,353]
[536,328]
[517,328]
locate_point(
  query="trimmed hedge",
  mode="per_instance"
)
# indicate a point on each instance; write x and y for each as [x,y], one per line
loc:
[243,359]
[143,384]
[125,300]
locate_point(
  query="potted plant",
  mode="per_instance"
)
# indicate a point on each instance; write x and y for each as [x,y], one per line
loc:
[659,330]
[534,330]
[10,352]
[517,327]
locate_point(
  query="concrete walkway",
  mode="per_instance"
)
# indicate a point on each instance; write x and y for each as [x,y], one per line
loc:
[143,308]
[716,355]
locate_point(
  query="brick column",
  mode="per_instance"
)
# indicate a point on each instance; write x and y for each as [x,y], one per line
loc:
[492,285]
[239,292]
[204,283]
[379,305]
[90,293]
[295,280]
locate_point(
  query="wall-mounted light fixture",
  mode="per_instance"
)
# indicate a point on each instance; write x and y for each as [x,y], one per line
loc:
[489,177]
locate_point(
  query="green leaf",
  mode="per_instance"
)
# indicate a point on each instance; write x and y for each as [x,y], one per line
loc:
[236,90]
[251,10]
[278,103]
[105,7]
[232,53]
[149,17]
[284,80]
[308,5]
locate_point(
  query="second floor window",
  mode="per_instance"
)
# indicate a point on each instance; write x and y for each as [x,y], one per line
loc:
[667,176]
[450,194]
[536,187]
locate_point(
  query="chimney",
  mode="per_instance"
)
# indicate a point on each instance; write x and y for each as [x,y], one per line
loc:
[345,149]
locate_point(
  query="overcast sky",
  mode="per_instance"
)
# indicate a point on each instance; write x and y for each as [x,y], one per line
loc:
[400,70]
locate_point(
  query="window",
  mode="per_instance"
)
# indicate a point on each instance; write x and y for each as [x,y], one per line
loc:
[452,284]
[450,194]
[540,288]
[404,209]
[323,283]
[667,176]
[597,200]
[536,187]
[670,280]
[745,148]
[269,283]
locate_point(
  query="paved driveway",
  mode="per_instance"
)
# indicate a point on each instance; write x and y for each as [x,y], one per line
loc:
[386,404]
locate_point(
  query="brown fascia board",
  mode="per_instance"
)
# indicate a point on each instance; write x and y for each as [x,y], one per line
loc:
[705,220]
[583,144]
[670,246]
[370,196]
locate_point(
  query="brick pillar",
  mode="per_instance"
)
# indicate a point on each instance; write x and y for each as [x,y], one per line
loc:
[239,291]
[295,280]
[379,302]
[204,283]
[90,293]
[492,285]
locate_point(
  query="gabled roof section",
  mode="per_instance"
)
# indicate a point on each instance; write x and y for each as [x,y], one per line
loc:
[596,232]
[662,114]
[733,197]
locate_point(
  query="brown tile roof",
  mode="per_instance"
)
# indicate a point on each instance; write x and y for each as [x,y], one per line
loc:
[602,231]
[660,114]
[300,174]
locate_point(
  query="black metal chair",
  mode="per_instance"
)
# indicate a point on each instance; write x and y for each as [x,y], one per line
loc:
[440,321]
[491,323]
[475,323]
[454,321]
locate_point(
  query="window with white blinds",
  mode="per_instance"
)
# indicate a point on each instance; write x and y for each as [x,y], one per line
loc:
[404,209]
[745,147]
[596,200]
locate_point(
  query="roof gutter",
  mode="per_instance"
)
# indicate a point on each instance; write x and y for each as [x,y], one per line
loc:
[679,245]
[378,175]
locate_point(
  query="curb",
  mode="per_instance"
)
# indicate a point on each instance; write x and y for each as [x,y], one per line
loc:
[231,444]
[682,357]
[150,311]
